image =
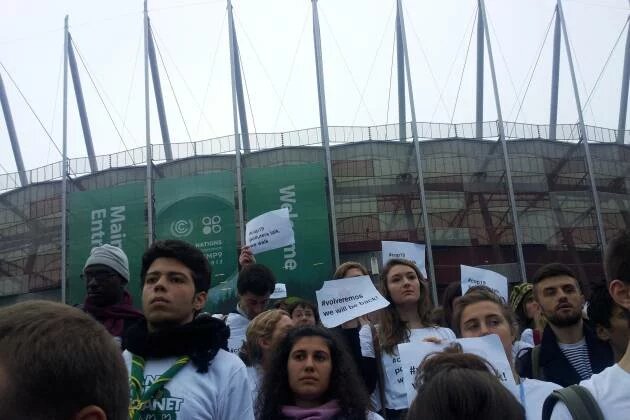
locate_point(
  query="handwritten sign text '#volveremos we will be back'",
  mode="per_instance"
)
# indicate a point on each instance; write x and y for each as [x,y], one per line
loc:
[341,300]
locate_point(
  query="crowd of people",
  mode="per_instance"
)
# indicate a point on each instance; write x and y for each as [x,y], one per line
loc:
[104,359]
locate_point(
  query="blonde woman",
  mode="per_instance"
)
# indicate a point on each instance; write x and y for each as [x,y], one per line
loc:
[263,334]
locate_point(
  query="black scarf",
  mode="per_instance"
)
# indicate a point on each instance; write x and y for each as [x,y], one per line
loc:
[200,339]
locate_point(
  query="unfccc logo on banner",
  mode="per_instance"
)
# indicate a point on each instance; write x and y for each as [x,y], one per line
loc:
[211,224]
[181,228]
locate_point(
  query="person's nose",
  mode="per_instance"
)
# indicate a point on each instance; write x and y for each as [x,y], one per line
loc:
[160,283]
[562,296]
[308,363]
[484,330]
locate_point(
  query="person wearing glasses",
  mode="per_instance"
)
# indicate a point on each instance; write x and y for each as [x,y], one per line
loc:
[106,274]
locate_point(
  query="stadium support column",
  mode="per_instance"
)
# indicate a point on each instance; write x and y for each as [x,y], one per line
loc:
[78,93]
[157,89]
[237,136]
[237,82]
[15,144]
[414,134]
[480,68]
[147,122]
[583,135]
[323,123]
[555,78]
[623,101]
[400,60]
[64,162]
[506,160]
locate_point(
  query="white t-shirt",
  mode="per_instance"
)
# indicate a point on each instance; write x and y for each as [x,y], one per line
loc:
[535,393]
[255,375]
[395,394]
[527,336]
[371,415]
[611,390]
[238,327]
[222,393]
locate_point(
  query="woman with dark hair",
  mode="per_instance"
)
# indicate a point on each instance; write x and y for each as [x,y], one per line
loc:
[311,377]
[456,385]
[481,312]
[303,312]
[406,319]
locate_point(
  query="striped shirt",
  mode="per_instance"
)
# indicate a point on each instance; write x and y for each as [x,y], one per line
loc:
[577,355]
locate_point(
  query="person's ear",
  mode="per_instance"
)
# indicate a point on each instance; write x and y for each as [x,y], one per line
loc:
[620,293]
[264,343]
[602,333]
[91,412]
[199,300]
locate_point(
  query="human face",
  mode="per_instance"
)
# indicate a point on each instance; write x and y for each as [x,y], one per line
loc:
[532,308]
[560,300]
[168,294]
[353,272]
[618,334]
[104,286]
[253,305]
[484,318]
[403,285]
[303,316]
[309,368]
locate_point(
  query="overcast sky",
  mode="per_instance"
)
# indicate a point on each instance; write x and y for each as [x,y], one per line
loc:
[276,43]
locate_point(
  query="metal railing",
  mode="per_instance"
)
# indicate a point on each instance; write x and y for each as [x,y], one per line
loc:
[311,137]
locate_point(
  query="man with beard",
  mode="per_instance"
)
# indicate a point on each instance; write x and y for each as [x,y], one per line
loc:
[106,274]
[611,388]
[569,351]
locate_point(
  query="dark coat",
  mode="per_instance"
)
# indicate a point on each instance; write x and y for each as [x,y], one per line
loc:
[555,367]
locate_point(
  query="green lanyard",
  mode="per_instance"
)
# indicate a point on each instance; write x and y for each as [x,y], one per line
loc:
[140,399]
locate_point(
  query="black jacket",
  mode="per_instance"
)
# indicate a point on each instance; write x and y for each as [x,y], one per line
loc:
[366,366]
[555,367]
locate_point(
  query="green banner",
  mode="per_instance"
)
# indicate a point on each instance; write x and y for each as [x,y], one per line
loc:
[301,189]
[200,210]
[113,216]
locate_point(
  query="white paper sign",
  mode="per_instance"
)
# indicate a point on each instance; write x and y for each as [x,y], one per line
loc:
[474,276]
[339,301]
[271,230]
[279,292]
[407,251]
[489,347]
[411,356]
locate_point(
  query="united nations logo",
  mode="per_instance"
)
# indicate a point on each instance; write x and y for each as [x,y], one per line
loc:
[181,228]
[211,224]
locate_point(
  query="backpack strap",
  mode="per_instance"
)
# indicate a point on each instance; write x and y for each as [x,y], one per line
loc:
[536,370]
[376,343]
[578,400]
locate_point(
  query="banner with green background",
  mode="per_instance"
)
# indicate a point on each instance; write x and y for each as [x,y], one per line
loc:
[301,189]
[114,216]
[200,210]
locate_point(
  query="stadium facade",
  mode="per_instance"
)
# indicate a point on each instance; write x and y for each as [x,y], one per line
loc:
[376,195]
